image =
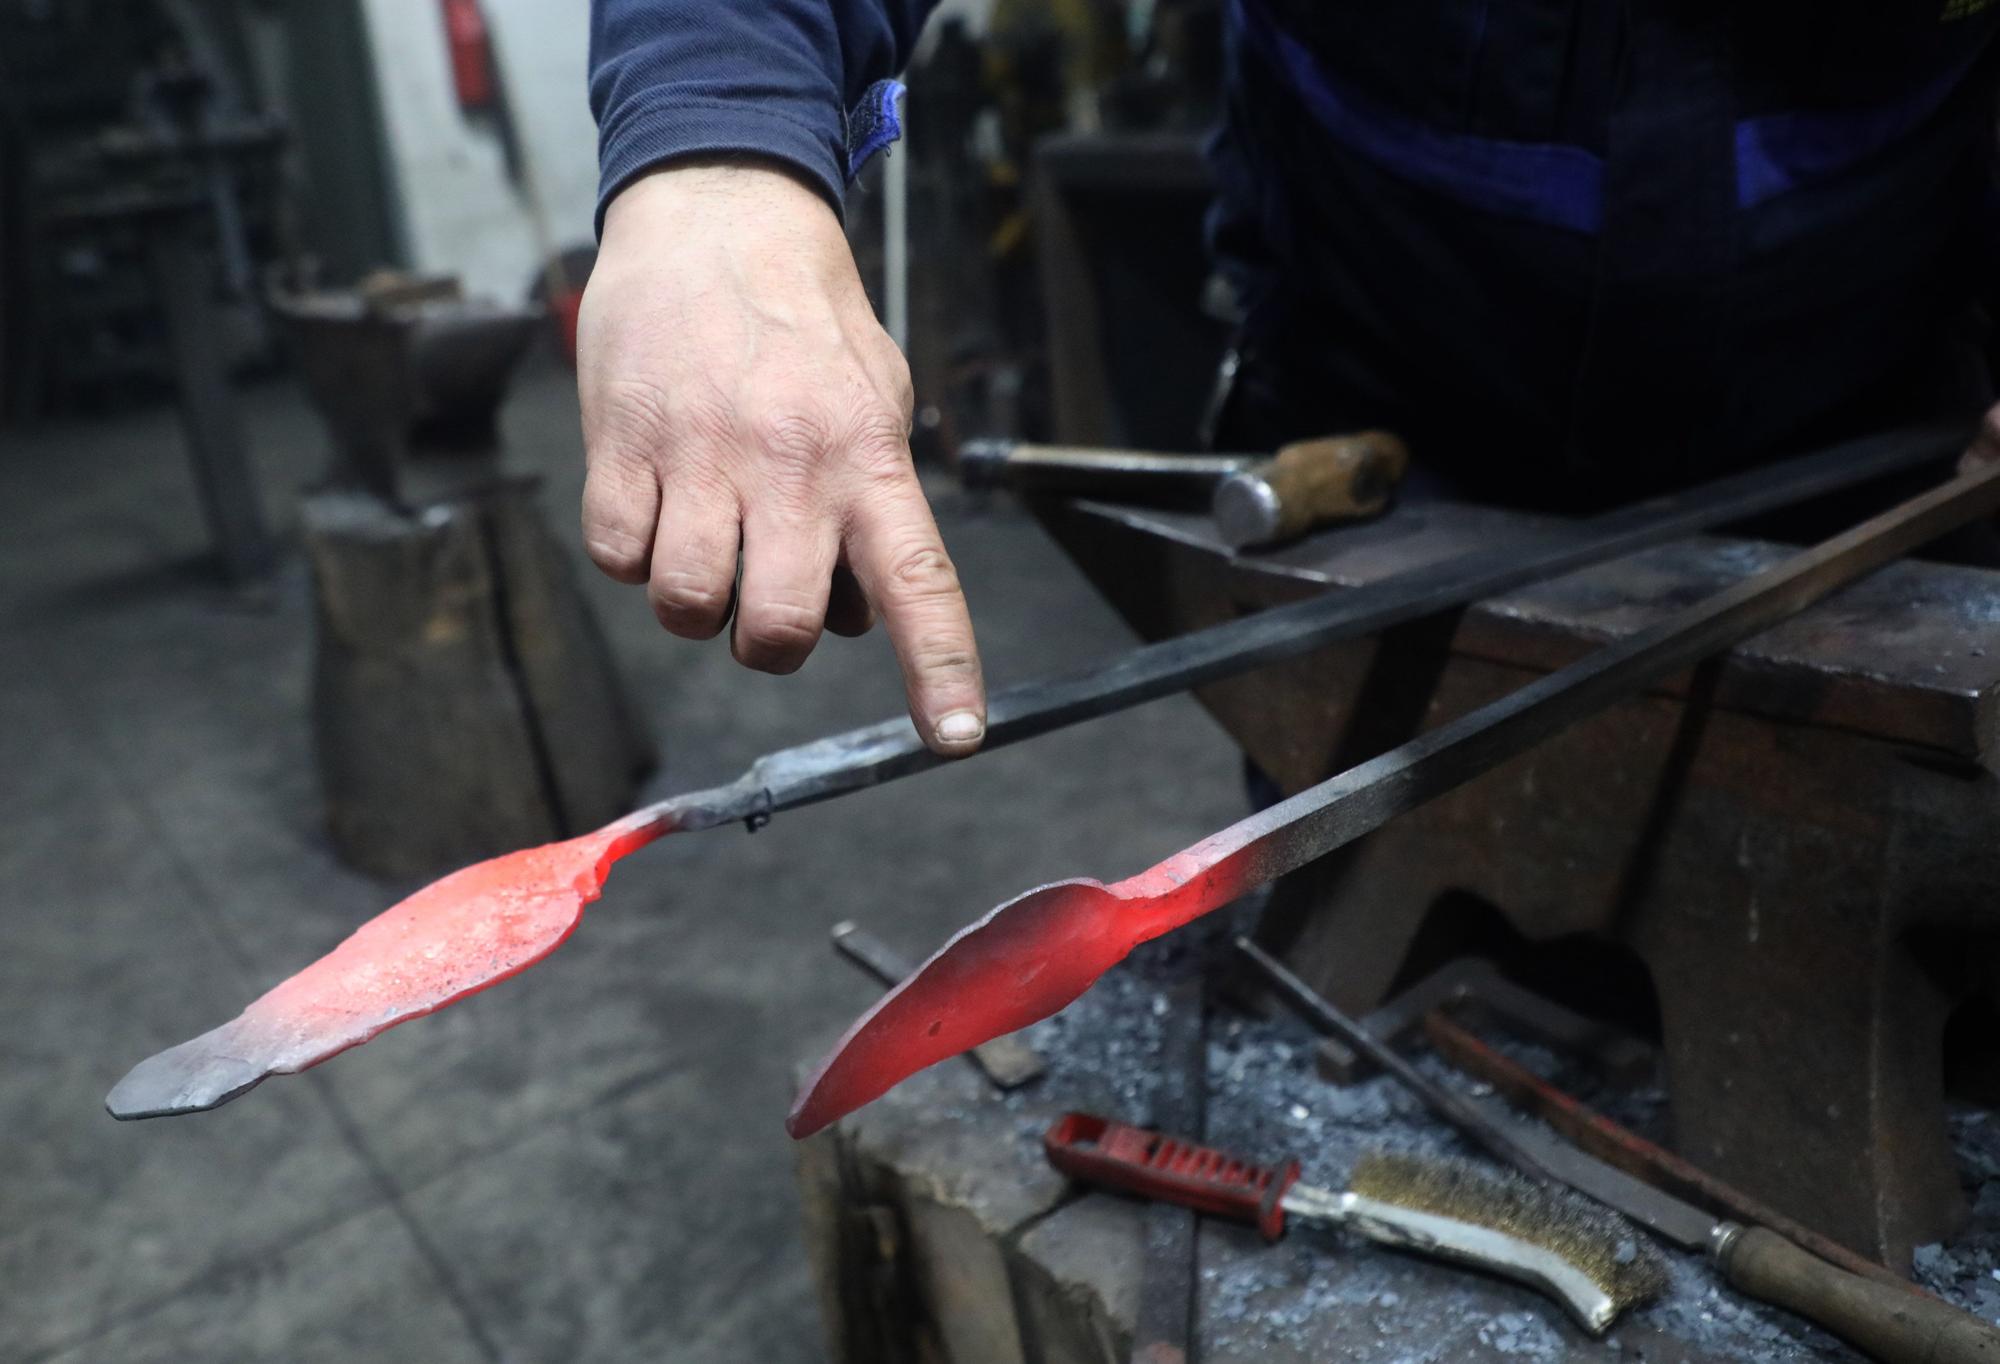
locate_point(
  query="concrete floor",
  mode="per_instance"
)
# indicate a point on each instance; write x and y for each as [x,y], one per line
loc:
[586,1163]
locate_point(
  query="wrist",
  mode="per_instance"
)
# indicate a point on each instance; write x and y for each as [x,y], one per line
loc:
[721,185]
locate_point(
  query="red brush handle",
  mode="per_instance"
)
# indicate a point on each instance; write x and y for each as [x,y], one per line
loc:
[1115,1156]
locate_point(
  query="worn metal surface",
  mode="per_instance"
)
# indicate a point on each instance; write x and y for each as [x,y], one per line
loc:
[1074,1262]
[1802,861]
[382,370]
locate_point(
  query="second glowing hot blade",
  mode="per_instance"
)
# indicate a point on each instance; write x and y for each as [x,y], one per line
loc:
[1035,954]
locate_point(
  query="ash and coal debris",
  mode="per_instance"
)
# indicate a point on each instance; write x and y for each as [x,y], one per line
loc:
[1967,1271]
[1266,1101]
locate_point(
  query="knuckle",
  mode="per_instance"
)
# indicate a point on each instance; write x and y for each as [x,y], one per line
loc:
[627,420]
[776,641]
[882,442]
[923,571]
[895,376]
[688,600]
[796,434]
[614,550]
[704,417]
[944,655]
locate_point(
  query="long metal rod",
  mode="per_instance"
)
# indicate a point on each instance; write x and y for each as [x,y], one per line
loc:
[877,753]
[1039,951]
[1165,1330]
[1337,811]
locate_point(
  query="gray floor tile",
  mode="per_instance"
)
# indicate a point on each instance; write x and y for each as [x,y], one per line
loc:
[359,1291]
[648,1229]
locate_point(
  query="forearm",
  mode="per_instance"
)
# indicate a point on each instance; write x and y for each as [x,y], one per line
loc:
[784,80]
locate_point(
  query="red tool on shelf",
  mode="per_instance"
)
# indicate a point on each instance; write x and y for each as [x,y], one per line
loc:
[470,44]
[1587,1260]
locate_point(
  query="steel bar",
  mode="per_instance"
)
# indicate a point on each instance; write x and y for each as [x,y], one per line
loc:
[495,918]
[1033,955]
[1165,1328]
[864,757]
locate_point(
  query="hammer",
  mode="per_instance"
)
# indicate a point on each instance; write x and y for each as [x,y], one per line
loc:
[1256,500]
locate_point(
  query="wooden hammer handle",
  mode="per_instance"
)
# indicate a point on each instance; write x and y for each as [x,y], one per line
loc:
[1886,1323]
[1311,483]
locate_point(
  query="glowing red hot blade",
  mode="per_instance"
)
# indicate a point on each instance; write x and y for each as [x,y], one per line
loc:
[1034,955]
[453,938]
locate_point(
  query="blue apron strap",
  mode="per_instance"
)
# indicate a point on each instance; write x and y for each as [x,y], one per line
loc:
[1552,183]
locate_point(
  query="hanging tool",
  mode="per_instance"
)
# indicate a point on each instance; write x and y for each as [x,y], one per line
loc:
[1255,500]
[488,921]
[1008,1062]
[1451,1209]
[1035,954]
[1891,1321]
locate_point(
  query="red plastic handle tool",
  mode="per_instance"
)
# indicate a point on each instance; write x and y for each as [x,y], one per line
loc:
[1113,1155]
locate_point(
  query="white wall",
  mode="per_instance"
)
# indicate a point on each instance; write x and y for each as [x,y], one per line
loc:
[460,213]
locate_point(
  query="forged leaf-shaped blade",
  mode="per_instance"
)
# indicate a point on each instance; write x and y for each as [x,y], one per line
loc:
[453,938]
[1022,962]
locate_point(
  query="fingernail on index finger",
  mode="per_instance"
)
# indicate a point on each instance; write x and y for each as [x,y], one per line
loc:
[961,727]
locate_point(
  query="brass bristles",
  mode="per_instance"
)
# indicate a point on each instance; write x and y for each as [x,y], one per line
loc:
[1600,1245]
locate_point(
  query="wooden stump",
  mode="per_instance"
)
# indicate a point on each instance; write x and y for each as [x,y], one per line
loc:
[464,702]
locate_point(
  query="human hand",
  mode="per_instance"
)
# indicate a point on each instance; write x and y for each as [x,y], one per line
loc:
[738,393]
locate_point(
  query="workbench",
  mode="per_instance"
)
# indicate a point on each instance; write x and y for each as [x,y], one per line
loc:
[1796,843]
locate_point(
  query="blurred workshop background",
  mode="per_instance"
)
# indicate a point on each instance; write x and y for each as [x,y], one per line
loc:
[294,615]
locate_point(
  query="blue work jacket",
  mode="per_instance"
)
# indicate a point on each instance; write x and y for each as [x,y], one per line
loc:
[1621,242]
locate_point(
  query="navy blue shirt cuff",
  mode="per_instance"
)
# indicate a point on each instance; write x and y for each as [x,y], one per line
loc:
[652,132]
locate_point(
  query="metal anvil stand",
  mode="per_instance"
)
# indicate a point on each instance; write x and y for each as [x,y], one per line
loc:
[464,701]
[1798,843]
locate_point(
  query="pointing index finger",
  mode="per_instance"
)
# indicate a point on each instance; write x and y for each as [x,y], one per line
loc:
[900,560]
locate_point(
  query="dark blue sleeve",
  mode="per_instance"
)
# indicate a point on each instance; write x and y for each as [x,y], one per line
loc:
[795,80]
